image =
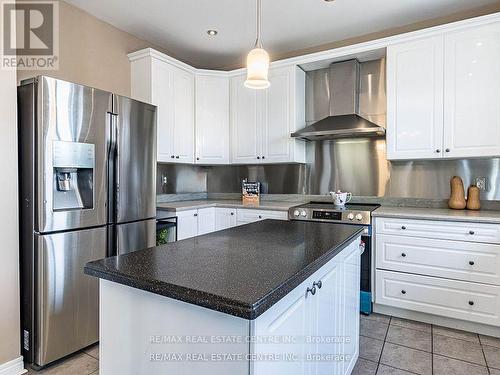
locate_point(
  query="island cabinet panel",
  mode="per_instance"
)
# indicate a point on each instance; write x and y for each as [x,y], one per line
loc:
[311,330]
[313,333]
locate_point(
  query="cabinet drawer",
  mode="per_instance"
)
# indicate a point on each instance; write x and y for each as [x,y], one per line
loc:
[448,230]
[248,215]
[477,262]
[455,299]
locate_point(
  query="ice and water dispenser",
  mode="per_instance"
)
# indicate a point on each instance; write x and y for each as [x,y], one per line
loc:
[73,164]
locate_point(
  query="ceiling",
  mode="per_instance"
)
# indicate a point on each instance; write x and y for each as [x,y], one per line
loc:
[179,26]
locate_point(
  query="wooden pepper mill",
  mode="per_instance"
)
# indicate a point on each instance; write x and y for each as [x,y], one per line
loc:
[457,197]
[473,202]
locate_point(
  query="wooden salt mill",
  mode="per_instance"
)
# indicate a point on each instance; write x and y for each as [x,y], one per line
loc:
[473,202]
[457,197]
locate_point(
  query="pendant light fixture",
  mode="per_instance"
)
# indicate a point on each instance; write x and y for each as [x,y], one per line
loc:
[258,59]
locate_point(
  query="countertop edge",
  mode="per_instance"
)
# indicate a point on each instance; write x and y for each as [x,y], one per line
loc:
[224,205]
[224,305]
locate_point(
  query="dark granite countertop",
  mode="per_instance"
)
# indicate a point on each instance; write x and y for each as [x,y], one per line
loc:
[241,271]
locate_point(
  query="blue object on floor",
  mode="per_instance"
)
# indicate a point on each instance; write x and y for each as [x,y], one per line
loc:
[365,305]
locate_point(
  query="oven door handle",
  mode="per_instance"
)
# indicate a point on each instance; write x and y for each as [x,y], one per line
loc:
[362,247]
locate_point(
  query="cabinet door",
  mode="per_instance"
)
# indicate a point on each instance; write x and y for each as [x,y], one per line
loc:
[206,220]
[277,118]
[225,218]
[183,128]
[285,326]
[472,91]
[162,98]
[415,99]
[212,120]
[326,314]
[351,288]
[245,123]
[187,224]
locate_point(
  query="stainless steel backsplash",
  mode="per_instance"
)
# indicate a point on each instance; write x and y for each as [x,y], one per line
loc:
[356,165]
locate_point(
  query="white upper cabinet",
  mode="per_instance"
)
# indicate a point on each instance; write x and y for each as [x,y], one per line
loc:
[472,92]
[415,99]
[443,95]
[262,120]
[169,85]
[246,118]
[212,119]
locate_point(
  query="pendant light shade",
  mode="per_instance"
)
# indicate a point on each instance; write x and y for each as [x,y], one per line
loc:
[258,60]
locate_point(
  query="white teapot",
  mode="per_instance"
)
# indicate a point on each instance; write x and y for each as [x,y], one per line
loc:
[340,198]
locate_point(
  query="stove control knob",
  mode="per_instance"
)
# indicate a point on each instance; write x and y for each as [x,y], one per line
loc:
[359,217]
[350,216]
[296,213]
[303,213]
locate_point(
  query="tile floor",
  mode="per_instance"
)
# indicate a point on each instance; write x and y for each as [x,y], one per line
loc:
[388,346]
[85,362]
[394,346]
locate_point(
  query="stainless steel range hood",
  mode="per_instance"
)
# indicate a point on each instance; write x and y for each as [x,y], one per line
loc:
[333,102]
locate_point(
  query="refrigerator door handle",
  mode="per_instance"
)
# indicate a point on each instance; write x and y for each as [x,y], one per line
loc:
[112,167]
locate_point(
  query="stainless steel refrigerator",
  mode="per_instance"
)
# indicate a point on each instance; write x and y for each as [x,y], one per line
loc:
[87,170]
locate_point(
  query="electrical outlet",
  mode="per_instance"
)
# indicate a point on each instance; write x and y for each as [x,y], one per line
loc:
[481,183]
[164,180]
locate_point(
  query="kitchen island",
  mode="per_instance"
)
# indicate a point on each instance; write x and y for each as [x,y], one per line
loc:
[272,297]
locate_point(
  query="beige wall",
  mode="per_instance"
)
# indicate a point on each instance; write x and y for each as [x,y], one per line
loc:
[92,52]
[9,248]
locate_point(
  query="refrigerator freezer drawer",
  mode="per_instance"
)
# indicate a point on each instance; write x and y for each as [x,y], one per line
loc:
[67,303]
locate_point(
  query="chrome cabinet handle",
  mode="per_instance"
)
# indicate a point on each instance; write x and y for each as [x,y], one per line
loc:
[403,255]
[403,291]
[471,262]
[263,157]
[195,215]
[311,290]
[438,151]
[319,284]
[232,213]
[471,303]
[471,232]
[258,157]
[403,227]
[447,150]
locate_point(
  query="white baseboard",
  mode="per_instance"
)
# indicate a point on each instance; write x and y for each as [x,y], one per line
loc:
[438,320]
[14,367]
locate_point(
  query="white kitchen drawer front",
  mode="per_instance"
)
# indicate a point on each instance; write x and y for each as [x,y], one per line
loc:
[454,299]
[477,262]
[249,215]
[448,230]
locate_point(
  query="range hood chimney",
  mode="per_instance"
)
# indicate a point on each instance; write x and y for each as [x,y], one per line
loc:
[344,120]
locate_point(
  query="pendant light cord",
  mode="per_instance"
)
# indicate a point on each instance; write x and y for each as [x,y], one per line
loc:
[258,41]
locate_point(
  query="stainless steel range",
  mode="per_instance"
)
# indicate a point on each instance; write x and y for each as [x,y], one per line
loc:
[352,213]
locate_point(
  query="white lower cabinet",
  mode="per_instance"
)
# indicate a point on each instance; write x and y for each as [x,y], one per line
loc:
[191,223]
[444,268]
[315,333]
[225,218]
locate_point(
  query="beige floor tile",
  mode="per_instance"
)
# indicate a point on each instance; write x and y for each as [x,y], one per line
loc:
[407,359]
[449,366]
[79,364]
[373,329]
[411,324]
[93,351]
[490,341]
[458,349]
[409,337]
[364,367]
[386,370]
[455,333]
[492,355]
[370,348]
[378,317]
[494,371]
